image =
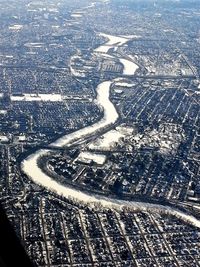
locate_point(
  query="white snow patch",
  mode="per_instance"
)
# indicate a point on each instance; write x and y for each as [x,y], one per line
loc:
[76,15]
[77,73]
[133,36]
[16,27]
[3,111]
[3,138]
[107,140]
[124,84]
[37,97]
[110,139]
[34,45]
[88,157]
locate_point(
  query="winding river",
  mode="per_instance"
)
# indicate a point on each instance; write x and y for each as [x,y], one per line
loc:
[36,174]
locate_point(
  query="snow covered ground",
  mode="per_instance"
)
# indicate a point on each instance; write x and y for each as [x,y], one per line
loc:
[3,138]
[125,84]
[37,97]
[3,111]
[77,73]
[110,139]
[88,157]
[16,27]
[34,45]
[76,15]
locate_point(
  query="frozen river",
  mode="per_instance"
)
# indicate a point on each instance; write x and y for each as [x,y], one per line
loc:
[110,117]
[129,66]
[114,42]
[35,173]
